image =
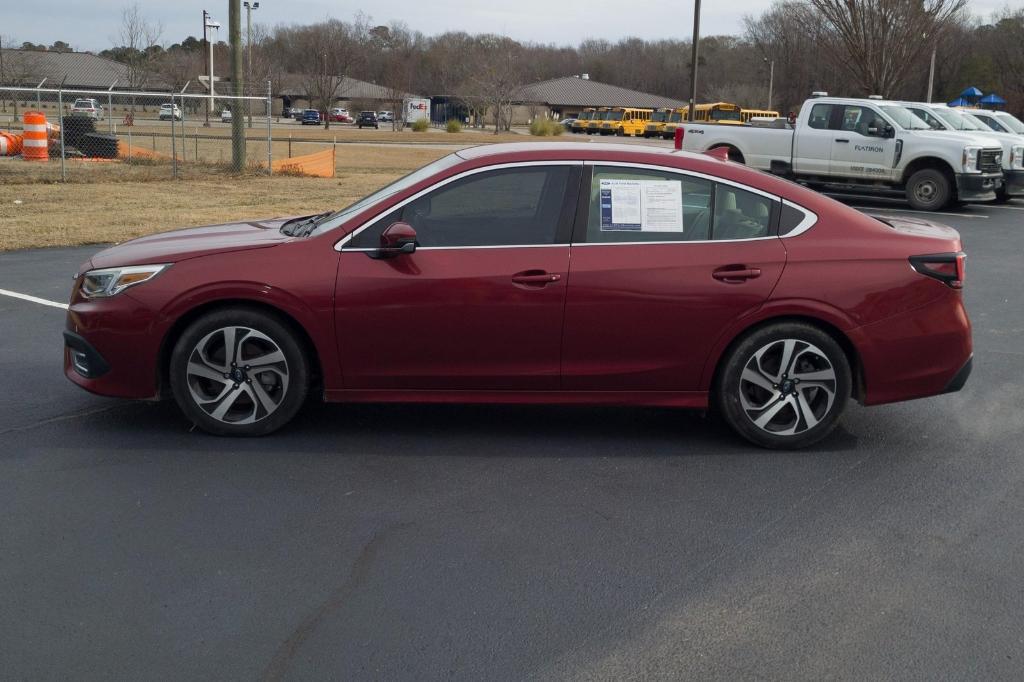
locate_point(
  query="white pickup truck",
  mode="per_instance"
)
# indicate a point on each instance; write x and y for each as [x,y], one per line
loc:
[942,117]
[864,144]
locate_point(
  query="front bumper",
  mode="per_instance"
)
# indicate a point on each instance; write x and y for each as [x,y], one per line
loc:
[1013,181]
[117,345]
[978,186]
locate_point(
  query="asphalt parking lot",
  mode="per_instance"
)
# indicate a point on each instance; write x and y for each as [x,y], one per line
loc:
[412,542]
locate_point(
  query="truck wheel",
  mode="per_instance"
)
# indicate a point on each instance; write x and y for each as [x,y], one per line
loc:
[928,190]
[1002,196]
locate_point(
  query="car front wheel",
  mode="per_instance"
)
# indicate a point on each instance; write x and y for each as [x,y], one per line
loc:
[239,372]
[784,386]
[929,189]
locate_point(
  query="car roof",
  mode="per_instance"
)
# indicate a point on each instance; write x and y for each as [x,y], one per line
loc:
[590,148]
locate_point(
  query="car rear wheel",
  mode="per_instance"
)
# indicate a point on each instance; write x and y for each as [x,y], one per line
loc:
[239,372]
[784,386]
[929,189]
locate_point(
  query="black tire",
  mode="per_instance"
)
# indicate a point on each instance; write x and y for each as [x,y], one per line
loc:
[929,189]
[283,384]
[795,416]
[1002,196]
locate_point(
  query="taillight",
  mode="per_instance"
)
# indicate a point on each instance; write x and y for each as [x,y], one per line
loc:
[680,131]
[948,268]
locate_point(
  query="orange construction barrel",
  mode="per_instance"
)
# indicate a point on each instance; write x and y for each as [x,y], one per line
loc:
[10,144]
[35,146]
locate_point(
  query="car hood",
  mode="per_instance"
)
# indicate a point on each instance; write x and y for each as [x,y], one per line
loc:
[964,137]
[178,245]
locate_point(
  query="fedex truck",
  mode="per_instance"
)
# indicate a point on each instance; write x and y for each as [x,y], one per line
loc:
[415,109]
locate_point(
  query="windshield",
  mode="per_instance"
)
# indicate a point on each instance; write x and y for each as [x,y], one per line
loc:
[334,219]
[1011,122]
[659,116]
[614,116]
[904,119]
[957,120]
[676,117]
[724,115]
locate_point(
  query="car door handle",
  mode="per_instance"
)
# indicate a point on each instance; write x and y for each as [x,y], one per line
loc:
[536,278]
[842,139]
[736,276]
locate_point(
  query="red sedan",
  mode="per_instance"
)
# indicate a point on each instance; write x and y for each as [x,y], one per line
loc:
[537,273]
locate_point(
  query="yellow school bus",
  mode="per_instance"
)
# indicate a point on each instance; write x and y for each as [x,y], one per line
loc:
[674,119]
[580,124]
[625,121]
[718,112]
[747,114]
[654,127]
[594,124]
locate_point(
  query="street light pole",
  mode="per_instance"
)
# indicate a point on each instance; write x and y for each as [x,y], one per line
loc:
[771,80]
[693,59]
[237,84]
[208,23]
[931,74]
[249,7]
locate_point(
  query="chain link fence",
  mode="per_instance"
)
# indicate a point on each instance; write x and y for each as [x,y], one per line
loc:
[119,134]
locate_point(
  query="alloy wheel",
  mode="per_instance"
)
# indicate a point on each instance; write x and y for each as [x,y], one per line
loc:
[237,375]
[787,387]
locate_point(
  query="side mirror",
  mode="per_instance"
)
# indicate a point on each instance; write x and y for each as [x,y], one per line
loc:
[399,238]
[889,131]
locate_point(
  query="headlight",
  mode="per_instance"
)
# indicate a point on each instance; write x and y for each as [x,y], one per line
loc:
[1017,158]
[111,281]
[971,159]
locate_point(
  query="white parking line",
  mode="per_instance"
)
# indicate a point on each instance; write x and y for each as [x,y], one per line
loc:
[33,299]
[886,209]
[1008,208]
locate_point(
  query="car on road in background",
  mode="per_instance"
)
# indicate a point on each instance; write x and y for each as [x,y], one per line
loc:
[310,117]
[367,119]
[338,115]
[225,116]
[567,123]
[88,106]
[385,116]
[169,111]
[864,145]
[526,273]
[942,117]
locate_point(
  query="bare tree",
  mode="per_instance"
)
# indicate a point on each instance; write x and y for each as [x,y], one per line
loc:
[878,42]
[324,54]
[139,40]
[397,51]
[497,74]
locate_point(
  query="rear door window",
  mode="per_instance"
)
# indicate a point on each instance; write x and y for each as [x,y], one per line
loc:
[647,205]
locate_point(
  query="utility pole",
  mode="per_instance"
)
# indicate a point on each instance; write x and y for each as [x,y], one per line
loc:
[771,80]
[249,7]
[693,59]
[237,84]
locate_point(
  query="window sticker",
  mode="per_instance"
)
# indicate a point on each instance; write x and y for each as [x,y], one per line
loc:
[641,205]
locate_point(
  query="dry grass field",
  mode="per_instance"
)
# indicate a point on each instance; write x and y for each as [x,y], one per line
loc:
[112,202]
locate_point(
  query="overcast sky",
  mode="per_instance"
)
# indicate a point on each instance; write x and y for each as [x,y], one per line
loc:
[92,25]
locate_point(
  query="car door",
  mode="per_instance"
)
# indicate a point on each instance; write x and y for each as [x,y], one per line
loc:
[479,304]
[812,148]
[856,151]
[651,288]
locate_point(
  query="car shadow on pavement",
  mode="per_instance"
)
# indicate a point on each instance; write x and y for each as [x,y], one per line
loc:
[461,430]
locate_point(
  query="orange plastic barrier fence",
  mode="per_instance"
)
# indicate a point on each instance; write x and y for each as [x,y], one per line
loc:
[10,144]
[35,146]
[137,152]
[317,164]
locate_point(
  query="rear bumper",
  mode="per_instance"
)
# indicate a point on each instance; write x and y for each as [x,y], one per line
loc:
[920,353]
[960,378]
[978,186]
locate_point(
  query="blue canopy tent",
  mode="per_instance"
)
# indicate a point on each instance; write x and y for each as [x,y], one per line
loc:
[992,101]
[959,102]
[971,94]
